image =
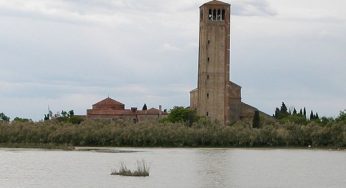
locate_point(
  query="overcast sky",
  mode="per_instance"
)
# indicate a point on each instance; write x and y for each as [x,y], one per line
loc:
[71,54]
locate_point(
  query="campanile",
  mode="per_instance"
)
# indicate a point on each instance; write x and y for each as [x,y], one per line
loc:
[211,97]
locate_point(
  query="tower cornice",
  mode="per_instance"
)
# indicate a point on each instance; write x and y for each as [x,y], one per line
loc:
[215,2]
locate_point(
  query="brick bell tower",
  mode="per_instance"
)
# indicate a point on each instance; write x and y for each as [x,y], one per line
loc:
[211,98]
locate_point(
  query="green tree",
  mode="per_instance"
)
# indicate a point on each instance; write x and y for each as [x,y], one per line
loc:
[341,117]
[317,117]
[277,113]
[145,107]
[304,113]
[71,113]
[46,117]
[18,119]
[312,116]
[256,120]
[182,114]
[3,117]
[282,112]
[294,111]
[64,114]
[283,109]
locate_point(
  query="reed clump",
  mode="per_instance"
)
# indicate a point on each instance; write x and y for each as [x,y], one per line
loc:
[141,171]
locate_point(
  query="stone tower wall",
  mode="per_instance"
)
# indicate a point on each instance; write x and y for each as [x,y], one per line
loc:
[213,70]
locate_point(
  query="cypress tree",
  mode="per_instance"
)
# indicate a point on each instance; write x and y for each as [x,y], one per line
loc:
[294,111]
[312,116]
[256,120]
[277,113]
[145,107]
[304,113]
[283,109]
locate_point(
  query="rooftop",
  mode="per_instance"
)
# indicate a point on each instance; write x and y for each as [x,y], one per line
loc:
[215,2]
[108,102]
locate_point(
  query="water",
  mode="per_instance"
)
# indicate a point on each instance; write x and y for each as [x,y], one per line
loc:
[174,168]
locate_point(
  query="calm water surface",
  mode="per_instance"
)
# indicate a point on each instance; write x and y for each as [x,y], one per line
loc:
[174,168]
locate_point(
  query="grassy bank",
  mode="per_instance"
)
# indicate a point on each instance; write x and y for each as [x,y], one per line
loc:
[154,134]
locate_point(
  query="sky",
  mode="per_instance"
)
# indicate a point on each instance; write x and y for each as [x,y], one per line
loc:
[68,55]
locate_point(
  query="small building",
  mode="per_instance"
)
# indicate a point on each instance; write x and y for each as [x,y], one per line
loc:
[112,109]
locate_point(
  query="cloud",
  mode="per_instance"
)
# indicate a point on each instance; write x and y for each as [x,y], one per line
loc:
[71,54]
[60,11]
[252,8]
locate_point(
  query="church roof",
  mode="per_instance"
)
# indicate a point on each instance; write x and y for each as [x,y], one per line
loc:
[215,2]
[234,84]
[109,102]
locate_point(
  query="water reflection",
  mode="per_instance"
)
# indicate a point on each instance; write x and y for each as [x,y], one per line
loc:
[213,167]
[171,168]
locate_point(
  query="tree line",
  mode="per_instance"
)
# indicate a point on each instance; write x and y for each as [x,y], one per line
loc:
[181,128]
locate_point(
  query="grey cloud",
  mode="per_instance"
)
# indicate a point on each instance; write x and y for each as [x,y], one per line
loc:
[70,54]
[252,8]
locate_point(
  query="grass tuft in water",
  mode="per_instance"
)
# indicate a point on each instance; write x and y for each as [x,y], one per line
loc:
[141,171]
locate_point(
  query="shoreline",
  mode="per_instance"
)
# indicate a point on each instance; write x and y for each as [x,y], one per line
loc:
[119,148]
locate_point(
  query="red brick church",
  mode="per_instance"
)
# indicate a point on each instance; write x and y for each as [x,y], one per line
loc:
[112,109]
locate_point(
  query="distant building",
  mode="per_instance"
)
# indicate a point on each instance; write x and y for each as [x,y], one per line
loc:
[112,109]
[216,96]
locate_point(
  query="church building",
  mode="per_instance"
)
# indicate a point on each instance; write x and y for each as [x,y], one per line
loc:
[112,109]
[216,97]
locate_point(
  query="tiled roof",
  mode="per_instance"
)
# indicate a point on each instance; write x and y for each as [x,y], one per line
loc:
[108,101]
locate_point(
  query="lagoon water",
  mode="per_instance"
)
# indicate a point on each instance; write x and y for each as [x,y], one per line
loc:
[174,168]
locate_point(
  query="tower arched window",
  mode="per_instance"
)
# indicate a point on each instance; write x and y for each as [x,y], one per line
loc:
[223,14]
[218,14]
[210,15]
[214,14]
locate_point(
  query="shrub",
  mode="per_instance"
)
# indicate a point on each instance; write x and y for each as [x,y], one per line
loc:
[154,134]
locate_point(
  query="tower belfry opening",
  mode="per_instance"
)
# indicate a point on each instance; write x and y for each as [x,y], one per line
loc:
[216,96]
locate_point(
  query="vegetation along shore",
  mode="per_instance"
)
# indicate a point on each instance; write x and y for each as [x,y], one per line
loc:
[180,129]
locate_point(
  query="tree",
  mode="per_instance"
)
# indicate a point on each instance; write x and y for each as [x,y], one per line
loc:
[283,109]
[63,113]
[256,120]
[3,117]
[317,117]
[46,117]
[304,113]
[341,117]
[181,114]
[282,112]
[312,116]
[71,113]
[145,107]
[294,111]
[18,119]
[277,113]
